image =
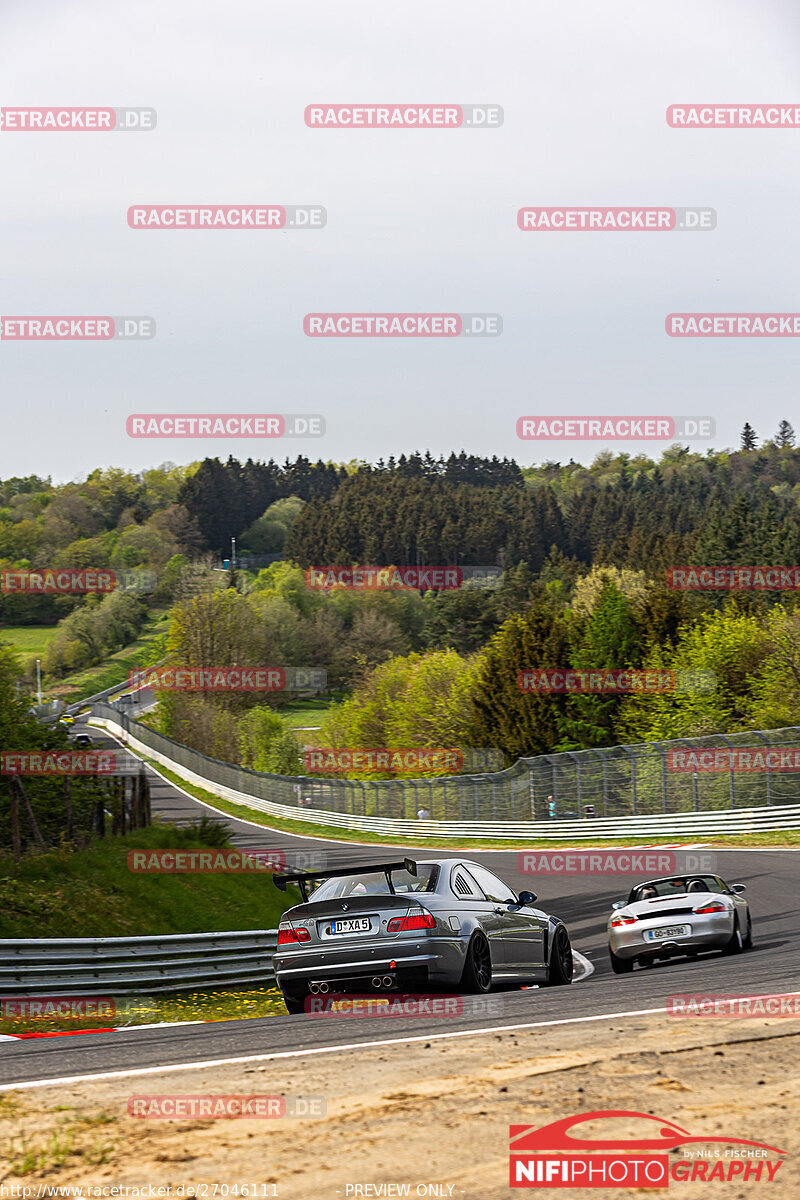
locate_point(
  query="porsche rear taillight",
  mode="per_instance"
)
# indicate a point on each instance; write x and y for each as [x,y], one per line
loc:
[287,935]
[615,921]
[415,918]
[714,907]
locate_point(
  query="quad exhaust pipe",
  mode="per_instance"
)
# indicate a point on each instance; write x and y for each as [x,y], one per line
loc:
[380,982]
[321,988]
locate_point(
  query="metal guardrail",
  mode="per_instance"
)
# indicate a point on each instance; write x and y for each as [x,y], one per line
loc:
[126,965]
[692,824]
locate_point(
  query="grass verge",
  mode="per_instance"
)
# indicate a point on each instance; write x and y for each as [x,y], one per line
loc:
[218,1004]
[92,893]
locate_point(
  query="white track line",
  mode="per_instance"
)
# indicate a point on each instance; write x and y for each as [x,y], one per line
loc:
[310,1053]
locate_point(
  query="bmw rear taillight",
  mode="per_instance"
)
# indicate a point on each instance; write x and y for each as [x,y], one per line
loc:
[714,907]
[615,921]
[287,934]
[415,918]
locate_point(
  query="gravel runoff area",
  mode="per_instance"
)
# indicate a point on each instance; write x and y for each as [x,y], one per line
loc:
[432,1114]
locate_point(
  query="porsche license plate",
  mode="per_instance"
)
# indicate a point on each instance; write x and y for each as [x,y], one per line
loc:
[670,931]
[350,925]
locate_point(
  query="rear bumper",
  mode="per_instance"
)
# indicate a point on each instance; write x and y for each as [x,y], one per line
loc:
[433,961]
[708,932]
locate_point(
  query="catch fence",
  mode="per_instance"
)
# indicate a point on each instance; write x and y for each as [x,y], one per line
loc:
[641,780]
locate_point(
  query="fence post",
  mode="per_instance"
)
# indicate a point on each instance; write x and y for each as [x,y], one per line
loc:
[664,776]
[37,834]
[731,772]
[765,740]
[16,840]
[68,805]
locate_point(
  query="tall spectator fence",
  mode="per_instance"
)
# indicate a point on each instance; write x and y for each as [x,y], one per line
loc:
[617,781]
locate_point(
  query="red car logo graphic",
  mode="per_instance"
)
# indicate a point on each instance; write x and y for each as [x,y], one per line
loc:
[528,1139]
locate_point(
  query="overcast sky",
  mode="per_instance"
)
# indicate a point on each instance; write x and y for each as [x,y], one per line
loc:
[418,221]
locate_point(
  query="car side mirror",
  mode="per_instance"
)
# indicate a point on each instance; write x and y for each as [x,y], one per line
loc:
[527,897]
[738,888]
[619,903]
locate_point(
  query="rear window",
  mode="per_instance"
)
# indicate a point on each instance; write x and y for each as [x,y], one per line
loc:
[374,883]
[678,885]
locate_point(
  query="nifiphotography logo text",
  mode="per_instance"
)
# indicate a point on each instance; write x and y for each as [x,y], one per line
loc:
[554,1156]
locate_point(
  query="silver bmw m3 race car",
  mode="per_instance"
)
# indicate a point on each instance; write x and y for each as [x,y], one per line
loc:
[413,927]
[681,914]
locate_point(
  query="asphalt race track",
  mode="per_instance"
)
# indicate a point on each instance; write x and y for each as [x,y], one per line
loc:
[583,902]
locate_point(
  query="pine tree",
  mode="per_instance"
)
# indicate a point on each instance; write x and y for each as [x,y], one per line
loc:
[749,437]
[785,434]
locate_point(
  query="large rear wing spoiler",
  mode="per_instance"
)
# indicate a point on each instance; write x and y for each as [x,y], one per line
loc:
[303,878]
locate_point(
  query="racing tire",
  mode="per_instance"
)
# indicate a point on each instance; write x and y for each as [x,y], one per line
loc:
[477,974]
[735,944]
[294,1004]
[560,967]
[620,966]
[747,941]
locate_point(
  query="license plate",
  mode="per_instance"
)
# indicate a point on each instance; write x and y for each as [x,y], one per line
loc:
[671,931]
[351,925]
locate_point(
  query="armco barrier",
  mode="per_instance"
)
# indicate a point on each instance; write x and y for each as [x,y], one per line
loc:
[125,965]
[691,824]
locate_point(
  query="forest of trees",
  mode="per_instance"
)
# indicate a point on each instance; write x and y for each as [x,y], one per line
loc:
[583,553]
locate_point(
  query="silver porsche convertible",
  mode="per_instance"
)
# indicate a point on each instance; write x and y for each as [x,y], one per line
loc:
[413,927]
[681,914]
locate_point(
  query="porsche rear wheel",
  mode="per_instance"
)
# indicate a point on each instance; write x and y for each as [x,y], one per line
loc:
[620,966]
[559,971]
[736,943]
[477,976]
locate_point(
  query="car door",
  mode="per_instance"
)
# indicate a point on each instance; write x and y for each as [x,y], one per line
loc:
[472,900]
[522,928]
